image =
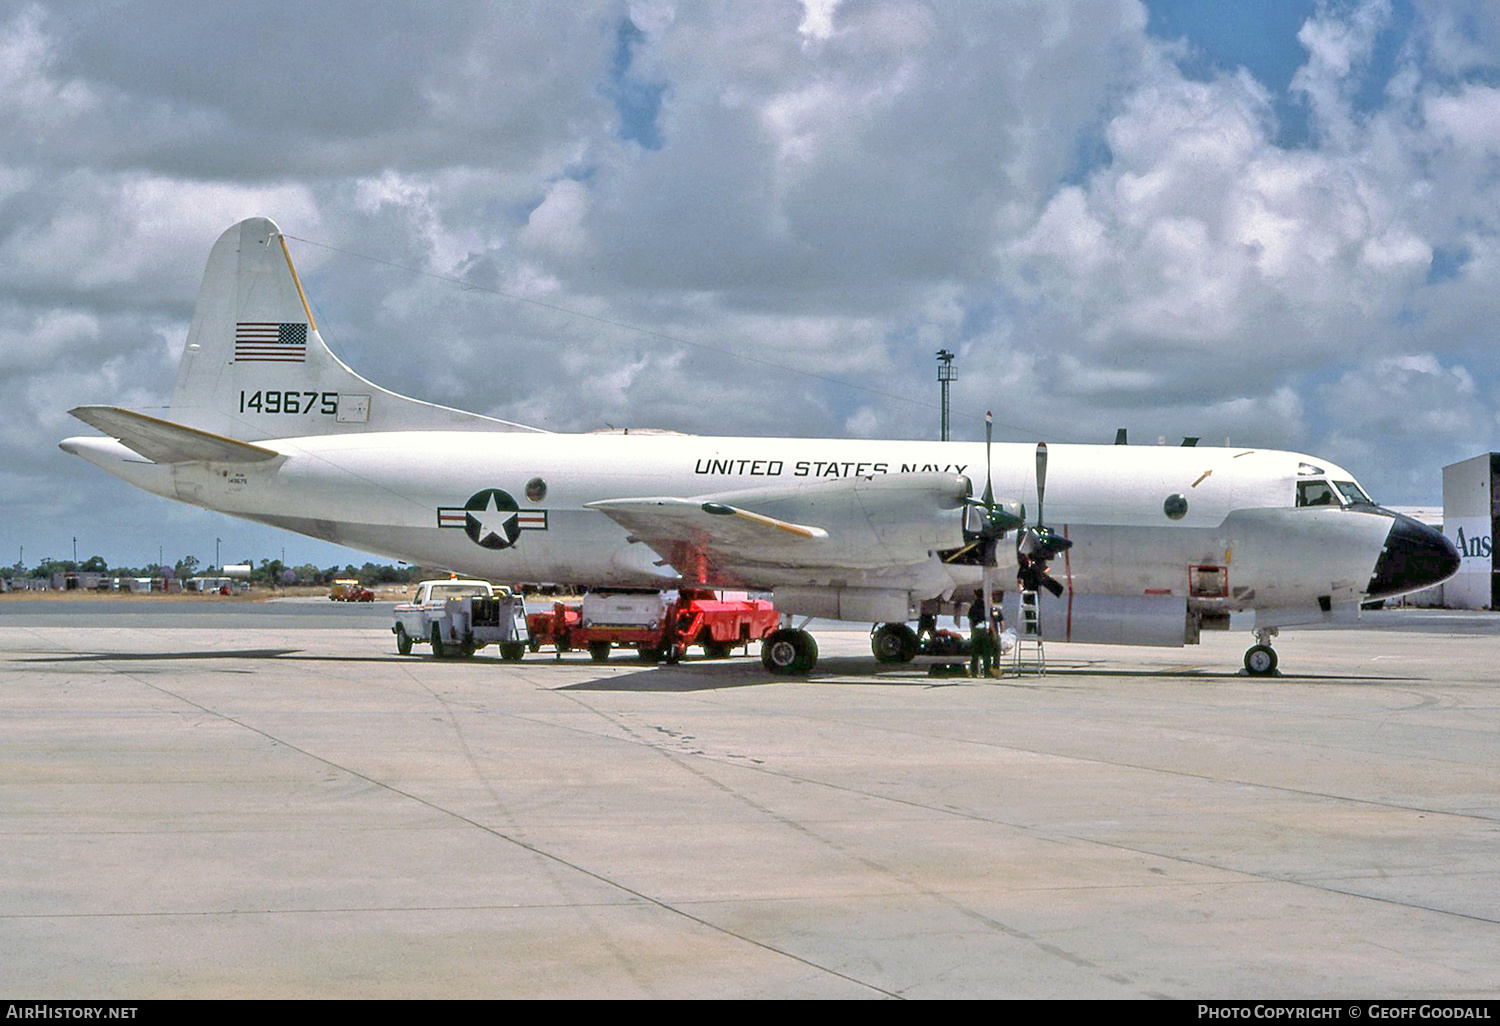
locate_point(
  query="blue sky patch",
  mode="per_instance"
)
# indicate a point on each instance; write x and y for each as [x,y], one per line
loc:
[638,102]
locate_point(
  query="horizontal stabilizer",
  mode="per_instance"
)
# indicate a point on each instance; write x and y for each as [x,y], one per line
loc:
[161,441]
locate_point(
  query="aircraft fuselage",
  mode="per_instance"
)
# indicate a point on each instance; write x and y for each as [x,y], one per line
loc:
[1216,526]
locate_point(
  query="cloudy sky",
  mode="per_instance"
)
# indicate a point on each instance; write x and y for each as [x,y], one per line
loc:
[1277,223]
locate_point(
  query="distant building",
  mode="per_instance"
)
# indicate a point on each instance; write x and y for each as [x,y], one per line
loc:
[207,584]
[1471,511]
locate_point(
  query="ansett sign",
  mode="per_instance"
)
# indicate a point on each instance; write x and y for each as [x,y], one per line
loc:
[1472,536]
[1473,545]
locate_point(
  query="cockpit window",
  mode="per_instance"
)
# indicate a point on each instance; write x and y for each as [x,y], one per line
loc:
[1315,493]
[1353,493]
[1339,493]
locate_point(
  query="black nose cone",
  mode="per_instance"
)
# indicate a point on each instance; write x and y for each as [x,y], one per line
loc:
[1415,556]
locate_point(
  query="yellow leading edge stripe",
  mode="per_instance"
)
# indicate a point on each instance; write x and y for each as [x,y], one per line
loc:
[311,324]
[781,525]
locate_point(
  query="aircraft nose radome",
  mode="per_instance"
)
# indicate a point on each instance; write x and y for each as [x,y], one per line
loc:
[1415,556]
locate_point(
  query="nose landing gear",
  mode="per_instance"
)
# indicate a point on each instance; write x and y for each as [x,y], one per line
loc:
[1260,658]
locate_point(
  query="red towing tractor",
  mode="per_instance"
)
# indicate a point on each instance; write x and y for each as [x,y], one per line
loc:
[350,590]
[657,625]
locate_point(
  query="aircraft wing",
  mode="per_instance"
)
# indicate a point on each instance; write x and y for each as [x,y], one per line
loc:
[162,441]
[855,524]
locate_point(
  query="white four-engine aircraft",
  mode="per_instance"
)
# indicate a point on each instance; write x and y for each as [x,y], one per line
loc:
[1144,545]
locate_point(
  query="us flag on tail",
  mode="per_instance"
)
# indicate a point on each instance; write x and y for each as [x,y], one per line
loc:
[270,342]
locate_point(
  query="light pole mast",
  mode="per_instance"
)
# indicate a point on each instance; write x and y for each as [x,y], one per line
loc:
[945,377]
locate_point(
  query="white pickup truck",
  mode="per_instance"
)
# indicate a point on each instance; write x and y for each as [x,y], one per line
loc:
[459,617]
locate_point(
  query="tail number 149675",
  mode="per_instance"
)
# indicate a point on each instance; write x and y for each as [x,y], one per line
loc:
[323,403]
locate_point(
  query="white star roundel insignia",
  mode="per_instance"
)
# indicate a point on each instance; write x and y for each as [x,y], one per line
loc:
[492,519]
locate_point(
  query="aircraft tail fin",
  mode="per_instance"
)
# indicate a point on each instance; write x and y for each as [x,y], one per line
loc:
[256,367]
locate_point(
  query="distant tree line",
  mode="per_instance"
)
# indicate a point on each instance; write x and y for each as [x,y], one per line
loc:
[268,573]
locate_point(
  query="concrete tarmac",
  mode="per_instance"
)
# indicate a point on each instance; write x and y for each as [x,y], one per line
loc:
[283,807]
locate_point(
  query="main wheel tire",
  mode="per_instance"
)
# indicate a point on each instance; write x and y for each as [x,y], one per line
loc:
[894,643]
[599,651]
[403,640]
[789,652]
[1260,660]
[438,648]
[809,653]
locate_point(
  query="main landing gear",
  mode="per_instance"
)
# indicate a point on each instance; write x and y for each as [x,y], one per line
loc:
[1260,658]
[789,652]
[893,643]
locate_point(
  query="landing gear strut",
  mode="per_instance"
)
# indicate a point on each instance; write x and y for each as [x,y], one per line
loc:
[1260,658]
[789,652]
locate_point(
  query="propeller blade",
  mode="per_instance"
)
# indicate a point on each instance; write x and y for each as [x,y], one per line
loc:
[1041,479]
[989,591]
[989,430]
[1052,584]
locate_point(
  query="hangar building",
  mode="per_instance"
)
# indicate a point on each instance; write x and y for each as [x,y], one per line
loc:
[1471,511]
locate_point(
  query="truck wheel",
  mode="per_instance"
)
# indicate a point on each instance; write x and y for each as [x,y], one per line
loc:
[438,648]
[403,640]
[599,651]
[718,649]
[649,654]
[512,651]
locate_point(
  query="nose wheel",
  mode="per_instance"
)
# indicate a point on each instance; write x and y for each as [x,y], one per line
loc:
[1260,658]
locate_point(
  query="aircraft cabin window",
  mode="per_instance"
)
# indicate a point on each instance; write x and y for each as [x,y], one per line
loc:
[1316,493]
